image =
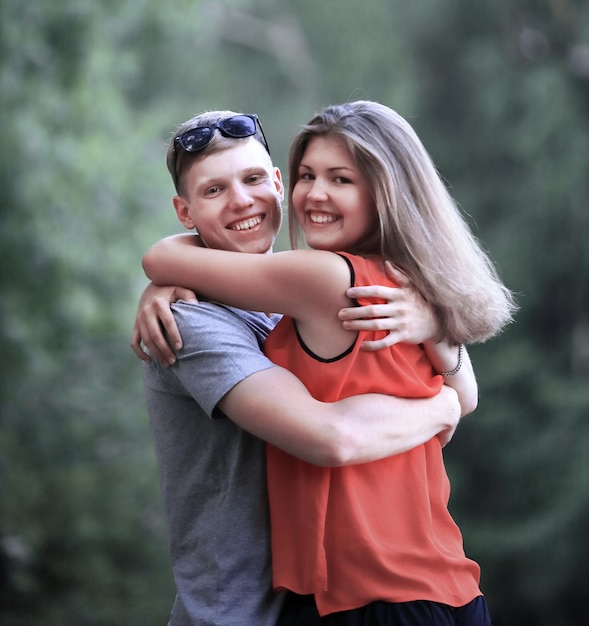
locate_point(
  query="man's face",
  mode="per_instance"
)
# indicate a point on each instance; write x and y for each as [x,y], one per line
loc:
[234,199]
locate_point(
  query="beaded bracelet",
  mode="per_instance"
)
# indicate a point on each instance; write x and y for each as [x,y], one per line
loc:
[458,366]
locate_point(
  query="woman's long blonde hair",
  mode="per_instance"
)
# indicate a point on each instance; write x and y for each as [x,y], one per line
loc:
[422,231]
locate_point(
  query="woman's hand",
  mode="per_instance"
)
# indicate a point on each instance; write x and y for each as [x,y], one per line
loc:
[406,316]
[155,326]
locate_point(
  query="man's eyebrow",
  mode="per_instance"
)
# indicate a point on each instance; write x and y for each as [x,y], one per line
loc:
[221,178]
[210,180]
[254,169]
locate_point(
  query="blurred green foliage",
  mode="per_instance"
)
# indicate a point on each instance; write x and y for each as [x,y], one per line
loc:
[90,92]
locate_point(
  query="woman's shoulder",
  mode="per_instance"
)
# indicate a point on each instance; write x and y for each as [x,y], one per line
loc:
[367,270]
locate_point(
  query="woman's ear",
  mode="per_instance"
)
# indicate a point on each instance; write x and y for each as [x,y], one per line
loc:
[183,212]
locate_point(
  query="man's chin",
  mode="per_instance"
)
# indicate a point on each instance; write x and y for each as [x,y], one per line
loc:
[259,245]
[262,249]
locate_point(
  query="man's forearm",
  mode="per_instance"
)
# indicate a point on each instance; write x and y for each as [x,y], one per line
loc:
[372,426]
[275,406]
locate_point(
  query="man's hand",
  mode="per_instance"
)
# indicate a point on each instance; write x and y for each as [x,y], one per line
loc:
[406,316]
[155,325]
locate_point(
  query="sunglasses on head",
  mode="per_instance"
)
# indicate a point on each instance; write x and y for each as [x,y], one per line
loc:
[237,127]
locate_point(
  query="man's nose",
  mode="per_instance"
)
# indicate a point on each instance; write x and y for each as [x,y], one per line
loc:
[240,197]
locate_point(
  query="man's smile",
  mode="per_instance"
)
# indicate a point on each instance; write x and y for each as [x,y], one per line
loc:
[247,224]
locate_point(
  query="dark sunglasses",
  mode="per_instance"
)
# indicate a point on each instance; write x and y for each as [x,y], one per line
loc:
[237,126]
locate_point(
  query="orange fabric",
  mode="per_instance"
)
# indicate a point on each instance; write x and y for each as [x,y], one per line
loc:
[376,531]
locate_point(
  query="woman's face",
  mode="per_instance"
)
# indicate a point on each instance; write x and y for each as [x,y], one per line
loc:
[330,198]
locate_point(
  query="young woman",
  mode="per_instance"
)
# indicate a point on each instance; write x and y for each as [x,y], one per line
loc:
[371,543]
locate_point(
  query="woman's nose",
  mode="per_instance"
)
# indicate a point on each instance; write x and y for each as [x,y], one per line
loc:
[317,191]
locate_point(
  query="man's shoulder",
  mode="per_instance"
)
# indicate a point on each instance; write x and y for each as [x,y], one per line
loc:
[214,317]
[221,347]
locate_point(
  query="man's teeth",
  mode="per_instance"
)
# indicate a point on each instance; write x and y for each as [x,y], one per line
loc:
[322,218]
[247,224]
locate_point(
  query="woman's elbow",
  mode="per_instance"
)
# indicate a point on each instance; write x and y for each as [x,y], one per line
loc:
[469,404]
[149,264]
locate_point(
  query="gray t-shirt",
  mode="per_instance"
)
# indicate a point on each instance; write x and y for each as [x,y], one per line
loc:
[213,474]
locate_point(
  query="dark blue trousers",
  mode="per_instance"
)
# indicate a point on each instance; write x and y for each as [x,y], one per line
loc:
[301,611]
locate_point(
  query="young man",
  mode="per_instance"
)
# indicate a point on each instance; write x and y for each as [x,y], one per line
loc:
[212,408]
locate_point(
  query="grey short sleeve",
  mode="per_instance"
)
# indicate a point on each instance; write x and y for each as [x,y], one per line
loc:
[212,473]
[221,347]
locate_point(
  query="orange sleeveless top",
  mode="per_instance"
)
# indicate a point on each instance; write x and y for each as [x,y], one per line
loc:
[376,531]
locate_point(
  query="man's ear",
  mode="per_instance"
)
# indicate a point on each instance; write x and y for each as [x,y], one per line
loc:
[278,183]
[182,211]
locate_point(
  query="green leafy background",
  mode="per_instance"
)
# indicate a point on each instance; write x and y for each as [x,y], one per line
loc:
[90,93]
